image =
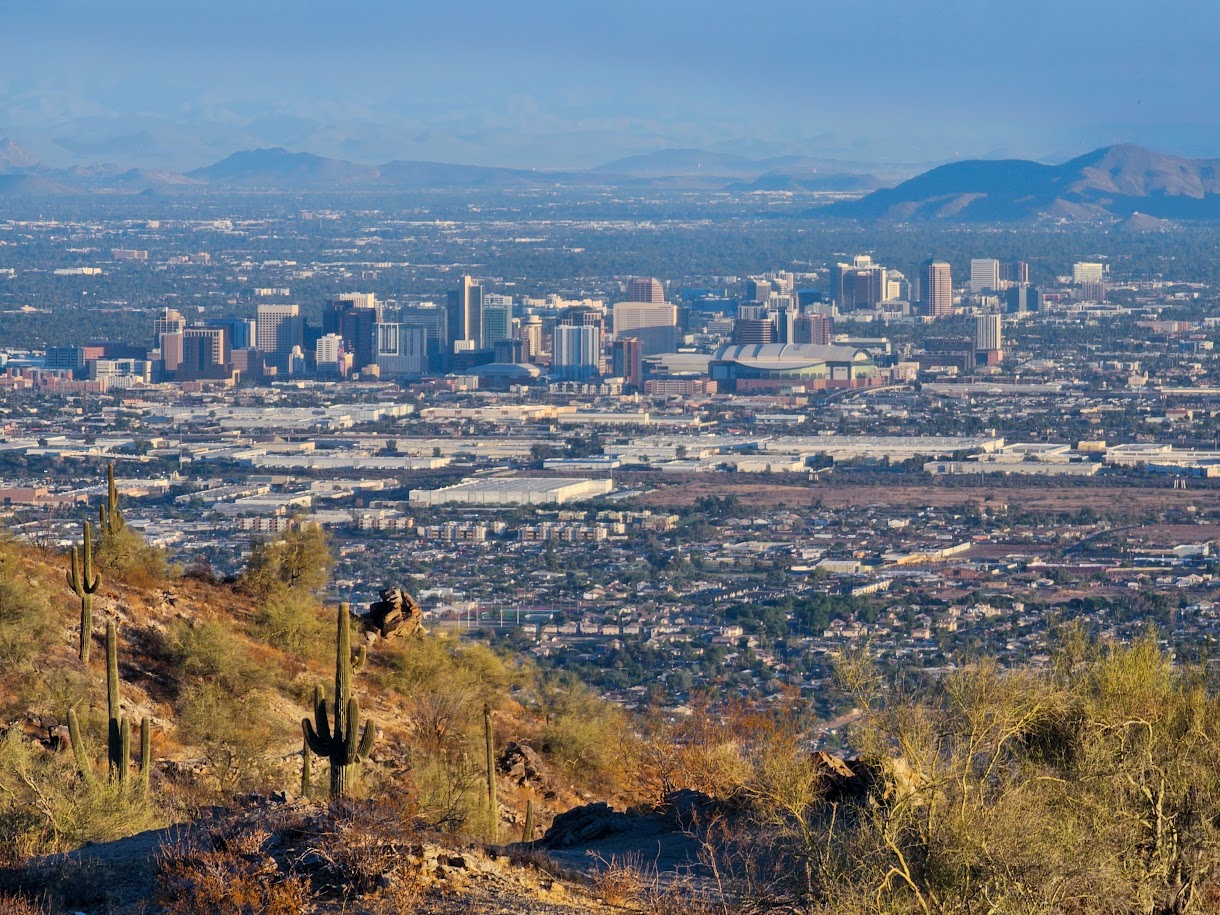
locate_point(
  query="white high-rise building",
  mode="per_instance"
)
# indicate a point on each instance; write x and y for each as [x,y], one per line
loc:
[402,349]
[629,316]
[576,351]
[984,275]
[1088,272]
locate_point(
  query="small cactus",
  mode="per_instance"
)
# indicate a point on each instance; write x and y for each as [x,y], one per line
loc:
[527,832]
[85,584]
[343,744]
[79,753]
[145,754]
[306,769]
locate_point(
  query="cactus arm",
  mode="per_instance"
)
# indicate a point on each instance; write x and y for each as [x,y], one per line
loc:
[313,741]
[90,581]
[321,715]
[351,736]
[367,739]
[74,581]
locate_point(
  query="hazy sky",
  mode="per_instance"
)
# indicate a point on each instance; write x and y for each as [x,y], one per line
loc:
[180,83]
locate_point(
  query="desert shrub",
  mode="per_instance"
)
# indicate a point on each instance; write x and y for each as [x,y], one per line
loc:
[208,651]
[1088,787]
[201,879]
[292,622]
[128,557]
[581,730]
[46,807]
[238,736]
[299,560]
[18,905]
[25,620]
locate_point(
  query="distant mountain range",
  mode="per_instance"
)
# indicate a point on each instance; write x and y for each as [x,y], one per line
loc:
[1116,182]
[1112,182]
[281,170]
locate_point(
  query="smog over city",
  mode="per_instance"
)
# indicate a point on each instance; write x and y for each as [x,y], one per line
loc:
[649,457]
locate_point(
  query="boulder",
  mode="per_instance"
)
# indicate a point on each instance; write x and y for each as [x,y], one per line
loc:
[395,615]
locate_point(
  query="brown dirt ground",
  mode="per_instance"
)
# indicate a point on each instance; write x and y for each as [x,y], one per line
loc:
[1034,495]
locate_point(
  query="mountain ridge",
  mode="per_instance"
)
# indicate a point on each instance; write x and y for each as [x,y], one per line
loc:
[1112,182]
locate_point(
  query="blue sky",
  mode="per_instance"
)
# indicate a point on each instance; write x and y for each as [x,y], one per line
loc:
[556,84]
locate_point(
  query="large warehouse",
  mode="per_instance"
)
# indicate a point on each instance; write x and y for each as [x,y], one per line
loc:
[771,366]
[515,491]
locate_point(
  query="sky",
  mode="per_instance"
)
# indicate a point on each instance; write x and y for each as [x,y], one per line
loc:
[179,83]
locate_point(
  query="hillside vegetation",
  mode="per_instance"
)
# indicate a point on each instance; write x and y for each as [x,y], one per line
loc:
[1091,785]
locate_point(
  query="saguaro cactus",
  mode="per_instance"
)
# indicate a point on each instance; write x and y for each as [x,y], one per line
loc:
[343,743]
[490,761]
[118,743]
[82,581]
[527,831]
[110,518]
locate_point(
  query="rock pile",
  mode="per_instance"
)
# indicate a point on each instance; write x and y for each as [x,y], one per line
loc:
[396,615]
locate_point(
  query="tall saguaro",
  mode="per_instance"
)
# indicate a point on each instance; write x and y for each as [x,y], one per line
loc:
[82,581]
[342,744]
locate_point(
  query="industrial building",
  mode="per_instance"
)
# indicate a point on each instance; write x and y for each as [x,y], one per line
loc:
[515,491]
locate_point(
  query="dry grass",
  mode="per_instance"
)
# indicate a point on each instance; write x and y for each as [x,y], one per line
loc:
[195,879]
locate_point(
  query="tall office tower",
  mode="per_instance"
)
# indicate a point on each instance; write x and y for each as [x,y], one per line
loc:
[530,335]
[329,354]
[783,319]
[168,322]
[1014,272]
[239,332]
[576,352]
[628,360]
[646,289]
[465,310]
[1092,291]
[987,342]
[984,275]
[497,320]
[278,329]
[205,352]
[748,331]
[654,325]
[334,309]
[1088,272]
[1020,298]
[352,316]
[937,283]
[402,349]
[757,290]
[813,329]
[507,351]
[171,347]
[432,318]
[782,281]
[987,332]
[860,284]
[587,317]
